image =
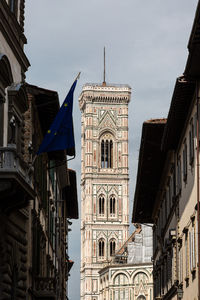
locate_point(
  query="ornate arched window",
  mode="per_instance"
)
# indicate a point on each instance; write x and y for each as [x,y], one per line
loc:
[112,247]
[139,278]
[121,291]
[101,248]
[6,79]
[101,205]
[107,152]
[120,279]
[112,205]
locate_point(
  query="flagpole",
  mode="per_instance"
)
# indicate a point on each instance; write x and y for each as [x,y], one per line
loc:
[61,163]
[78,76]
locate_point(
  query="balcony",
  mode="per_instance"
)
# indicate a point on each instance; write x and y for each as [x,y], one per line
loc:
[16,187]
[45,288]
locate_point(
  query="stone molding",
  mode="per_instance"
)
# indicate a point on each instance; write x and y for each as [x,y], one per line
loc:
[13,34]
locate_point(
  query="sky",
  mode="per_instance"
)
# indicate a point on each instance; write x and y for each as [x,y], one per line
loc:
[146,47]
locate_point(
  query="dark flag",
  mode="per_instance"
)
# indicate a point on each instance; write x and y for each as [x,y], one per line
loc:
[60,136]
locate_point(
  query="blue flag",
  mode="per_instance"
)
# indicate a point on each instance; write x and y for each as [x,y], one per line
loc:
[60,135]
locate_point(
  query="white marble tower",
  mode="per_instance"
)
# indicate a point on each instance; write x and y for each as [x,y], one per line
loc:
[104,179]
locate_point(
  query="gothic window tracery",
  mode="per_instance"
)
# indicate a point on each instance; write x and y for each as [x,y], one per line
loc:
[101,248]
[107,151]
[112,205]
[101,205]
[112,247]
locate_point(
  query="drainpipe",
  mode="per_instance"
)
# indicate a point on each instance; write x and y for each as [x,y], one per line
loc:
[198,208]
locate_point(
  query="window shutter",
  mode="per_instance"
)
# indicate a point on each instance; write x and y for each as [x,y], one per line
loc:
[193,249]
[190,244]
[186,255]
[196,229]
[181,265]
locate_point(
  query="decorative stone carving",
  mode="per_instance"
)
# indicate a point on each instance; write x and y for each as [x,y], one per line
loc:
[102,177]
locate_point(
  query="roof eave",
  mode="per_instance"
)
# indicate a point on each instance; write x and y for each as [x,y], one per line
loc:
[151,161]
[179,108]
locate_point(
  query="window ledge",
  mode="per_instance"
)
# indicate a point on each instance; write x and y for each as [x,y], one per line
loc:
[101,258]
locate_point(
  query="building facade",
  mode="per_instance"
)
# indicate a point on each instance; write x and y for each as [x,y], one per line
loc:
[34,193]
[16,185]
[54,204]
[104,179]
[130,273]
[170,199]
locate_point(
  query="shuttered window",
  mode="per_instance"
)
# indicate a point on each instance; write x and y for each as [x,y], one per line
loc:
[185,162]
[181,265]
[169,268]
[192,249]
[191,142]
[186,256]
[179,177]
[166,209]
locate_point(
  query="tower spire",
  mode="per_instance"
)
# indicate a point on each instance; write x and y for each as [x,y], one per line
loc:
[104,68]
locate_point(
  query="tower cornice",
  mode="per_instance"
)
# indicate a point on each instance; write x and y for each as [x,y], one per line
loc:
[109,93]
[108,87]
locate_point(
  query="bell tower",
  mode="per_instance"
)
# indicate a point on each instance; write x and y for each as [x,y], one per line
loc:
[104,179]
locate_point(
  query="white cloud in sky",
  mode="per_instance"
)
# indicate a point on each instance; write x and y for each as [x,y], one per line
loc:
[146,47]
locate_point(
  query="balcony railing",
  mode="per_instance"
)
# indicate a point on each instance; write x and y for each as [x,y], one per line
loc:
[16,185]
[11,162]
[45,288]
[45,284]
